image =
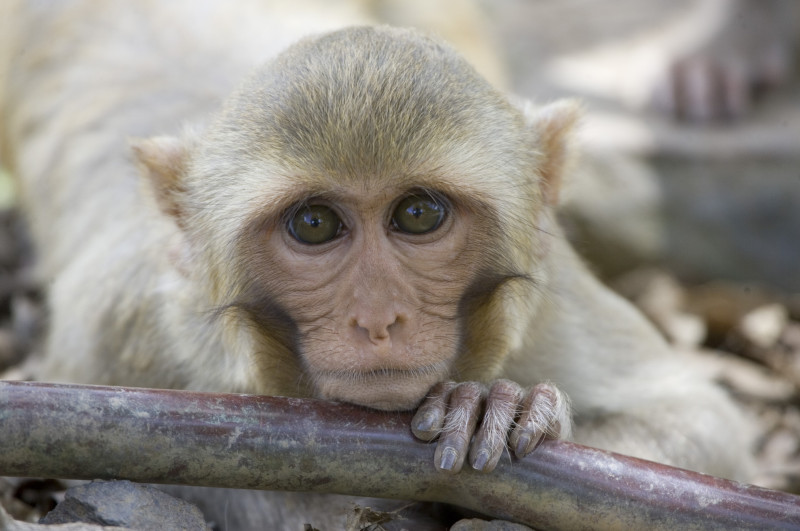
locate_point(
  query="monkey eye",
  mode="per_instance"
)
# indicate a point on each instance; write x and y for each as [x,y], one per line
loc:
[418,214]
[314,224]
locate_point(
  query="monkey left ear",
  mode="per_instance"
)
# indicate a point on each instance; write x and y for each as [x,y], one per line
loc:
[553,126]
[163,161]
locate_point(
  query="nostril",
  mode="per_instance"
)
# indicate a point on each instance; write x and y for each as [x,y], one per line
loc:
[378,333]
[374,327]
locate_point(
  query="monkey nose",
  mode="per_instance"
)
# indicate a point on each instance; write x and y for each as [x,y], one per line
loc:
[377,334]
[376,328]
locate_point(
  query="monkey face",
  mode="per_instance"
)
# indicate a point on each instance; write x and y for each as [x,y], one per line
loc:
[372,284]
[366,211]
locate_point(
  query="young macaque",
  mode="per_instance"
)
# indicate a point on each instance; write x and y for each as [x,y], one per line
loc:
[365,219]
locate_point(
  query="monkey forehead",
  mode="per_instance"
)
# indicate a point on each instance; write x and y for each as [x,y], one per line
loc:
[368,101]
[370,107]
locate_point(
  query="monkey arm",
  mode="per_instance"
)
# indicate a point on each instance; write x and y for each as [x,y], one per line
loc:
[629,391]
[587,350]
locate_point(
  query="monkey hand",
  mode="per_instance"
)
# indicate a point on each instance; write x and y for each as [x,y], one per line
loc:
[451,412]
[719,75]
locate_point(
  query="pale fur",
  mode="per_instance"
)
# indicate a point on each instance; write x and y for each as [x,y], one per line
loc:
[138,297]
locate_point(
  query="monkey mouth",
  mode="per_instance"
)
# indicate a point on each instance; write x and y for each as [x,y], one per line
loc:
[386,389]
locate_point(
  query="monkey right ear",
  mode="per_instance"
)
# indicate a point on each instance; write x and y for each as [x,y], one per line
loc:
[162,160]
[553,127]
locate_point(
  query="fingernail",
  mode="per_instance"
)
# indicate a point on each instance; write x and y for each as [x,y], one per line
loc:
[481,459]
[522,444]
[448,460]
[426,422]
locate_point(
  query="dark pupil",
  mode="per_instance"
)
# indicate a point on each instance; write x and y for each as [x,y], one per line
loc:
[417,211]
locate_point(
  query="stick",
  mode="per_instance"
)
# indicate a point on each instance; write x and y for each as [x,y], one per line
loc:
[260,442]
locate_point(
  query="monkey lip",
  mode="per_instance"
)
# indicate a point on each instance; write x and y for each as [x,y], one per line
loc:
[387,389]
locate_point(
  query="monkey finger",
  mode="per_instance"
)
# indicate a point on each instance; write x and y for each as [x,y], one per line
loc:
[697,93]
[427,422]
[735,90]
[774,66]
[465,406]
[545,413]
[663,97]
[501,409]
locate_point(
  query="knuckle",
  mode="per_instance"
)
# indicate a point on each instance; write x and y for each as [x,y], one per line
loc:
[505,392]
[440,390]
[438,396]
[541,407]
[465,403]
[468,392]
[547,398]
[546,412]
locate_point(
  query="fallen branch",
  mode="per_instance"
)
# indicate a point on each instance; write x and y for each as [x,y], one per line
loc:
[259,442]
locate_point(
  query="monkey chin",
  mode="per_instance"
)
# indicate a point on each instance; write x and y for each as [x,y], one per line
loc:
[388,392]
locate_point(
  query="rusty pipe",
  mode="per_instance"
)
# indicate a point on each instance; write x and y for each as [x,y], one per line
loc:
[271,443]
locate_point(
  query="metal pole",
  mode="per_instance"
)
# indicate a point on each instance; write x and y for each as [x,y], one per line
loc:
[271,443]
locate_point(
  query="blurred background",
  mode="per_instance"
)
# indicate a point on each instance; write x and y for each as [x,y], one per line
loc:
[685,197]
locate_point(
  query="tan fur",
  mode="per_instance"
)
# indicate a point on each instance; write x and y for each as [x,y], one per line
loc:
[186,276]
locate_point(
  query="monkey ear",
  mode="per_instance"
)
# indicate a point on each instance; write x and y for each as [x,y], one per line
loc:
[162,160]
[553,127]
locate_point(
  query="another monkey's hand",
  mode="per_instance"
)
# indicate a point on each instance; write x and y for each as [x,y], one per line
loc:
[745,46]
[452,410]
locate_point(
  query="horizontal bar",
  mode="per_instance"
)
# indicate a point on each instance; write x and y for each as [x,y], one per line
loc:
[260,442]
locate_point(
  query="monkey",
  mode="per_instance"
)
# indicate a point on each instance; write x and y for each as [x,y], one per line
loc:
[697,61]
[363,218]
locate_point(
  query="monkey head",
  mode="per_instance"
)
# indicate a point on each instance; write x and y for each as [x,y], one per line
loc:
[367,213]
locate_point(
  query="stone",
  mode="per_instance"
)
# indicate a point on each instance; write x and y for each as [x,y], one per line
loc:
[125,504]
